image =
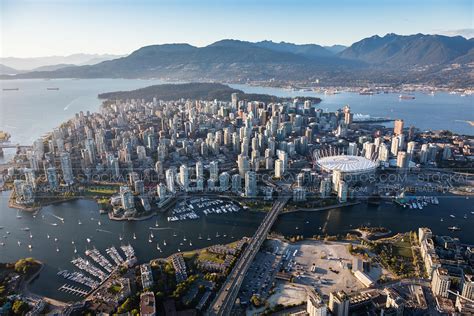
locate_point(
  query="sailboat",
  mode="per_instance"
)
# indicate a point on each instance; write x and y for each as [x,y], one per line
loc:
[184,238]
[19,243]
[208,238]
[156,223]
[200,237]
[31,236]
[30,247]
[217,234]
[149,240]
[18,215]
[190,243]
[88,240]
[179,250]
[55,239]
[57,249]
[99,223]
[164,242]
[47,236]
[174,234]
[225,235]
[151,235]
[75,250]
[72,242]
[158,247]
[79,222]
[134,236]
[120,237]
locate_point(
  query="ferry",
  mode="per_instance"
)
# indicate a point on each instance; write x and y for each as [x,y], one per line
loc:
[454,228]
[55,89]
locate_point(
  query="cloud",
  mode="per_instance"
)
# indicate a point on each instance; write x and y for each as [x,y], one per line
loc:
[467,33]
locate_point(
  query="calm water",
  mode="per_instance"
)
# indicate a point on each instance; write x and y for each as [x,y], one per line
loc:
[32,111]
[441,111]
[338,220]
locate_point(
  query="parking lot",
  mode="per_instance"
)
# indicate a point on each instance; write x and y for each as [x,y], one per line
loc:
[261,274]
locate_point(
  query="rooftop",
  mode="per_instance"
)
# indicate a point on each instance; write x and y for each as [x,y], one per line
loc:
[346,164]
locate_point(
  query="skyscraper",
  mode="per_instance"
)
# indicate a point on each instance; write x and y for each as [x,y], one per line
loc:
[214,170]
[339,303]
[184,176]
[66,167]
[170,177]
[250,184]
[398,127]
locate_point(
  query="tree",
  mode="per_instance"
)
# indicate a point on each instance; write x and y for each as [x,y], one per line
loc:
[255,300]
[19,308]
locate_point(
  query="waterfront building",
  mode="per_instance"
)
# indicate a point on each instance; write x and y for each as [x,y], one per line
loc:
[146,276]
[199,170]
[299,194]
[23,192]
[214,170]
[126,197]
[339,303]
[325,187]
[398,127]
[66,167]
[52,178]
[184,176]
[468,287]
[441,282]
[342,191]
[250,184]
[224,178]
[236,183]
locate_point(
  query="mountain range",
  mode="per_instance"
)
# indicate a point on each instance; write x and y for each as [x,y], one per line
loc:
[17,65]
[391,59]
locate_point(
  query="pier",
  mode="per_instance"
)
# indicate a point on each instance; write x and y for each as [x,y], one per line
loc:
[73,290]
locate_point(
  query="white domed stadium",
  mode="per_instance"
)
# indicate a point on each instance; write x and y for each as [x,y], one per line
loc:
[346,164]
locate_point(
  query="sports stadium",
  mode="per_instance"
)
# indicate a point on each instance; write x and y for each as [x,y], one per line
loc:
[346,164]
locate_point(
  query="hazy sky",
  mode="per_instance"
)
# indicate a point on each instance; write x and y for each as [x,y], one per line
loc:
[62,27]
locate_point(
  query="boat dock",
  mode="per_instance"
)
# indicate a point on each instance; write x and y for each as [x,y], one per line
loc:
[100,259]
[87,266]
[73,290]
[114,254]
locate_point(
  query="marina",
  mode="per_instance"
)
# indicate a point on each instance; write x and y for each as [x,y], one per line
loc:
[193,208]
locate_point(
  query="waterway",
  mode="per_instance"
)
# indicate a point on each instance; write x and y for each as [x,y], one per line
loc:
[33,110]
[234,225]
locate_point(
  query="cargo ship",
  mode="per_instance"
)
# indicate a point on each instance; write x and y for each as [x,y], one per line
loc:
[11,89]
[52,88]
[406,97]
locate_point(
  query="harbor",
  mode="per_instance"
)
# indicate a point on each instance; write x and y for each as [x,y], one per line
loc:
[194,208]
[96,274]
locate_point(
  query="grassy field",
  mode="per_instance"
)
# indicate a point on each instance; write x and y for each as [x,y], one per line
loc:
[403,249]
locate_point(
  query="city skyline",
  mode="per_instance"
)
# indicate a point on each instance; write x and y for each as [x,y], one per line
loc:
[45,28]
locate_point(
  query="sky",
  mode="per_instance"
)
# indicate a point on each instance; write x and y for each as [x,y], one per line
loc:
[32,28]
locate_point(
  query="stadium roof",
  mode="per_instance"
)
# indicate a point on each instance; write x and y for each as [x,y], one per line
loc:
[346,164]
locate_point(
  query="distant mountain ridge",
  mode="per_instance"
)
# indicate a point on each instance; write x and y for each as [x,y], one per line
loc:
[391,59]
[418,49]
[32,63]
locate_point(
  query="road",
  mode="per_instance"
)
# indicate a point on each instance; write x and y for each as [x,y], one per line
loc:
[225,299]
